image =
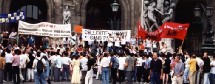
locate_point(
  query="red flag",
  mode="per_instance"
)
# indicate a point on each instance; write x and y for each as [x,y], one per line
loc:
[141,32]
[174,30]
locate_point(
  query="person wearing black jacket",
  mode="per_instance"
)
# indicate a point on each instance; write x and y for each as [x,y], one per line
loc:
[206,68]
[90,64]
[155,70]
[30,70]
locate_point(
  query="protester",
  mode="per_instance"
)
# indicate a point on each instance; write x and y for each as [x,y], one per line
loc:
[66,65]
[98,62]
[114,67]
[178,71]
[206,68]
[83,67]
[58,66]
[186,71]
[75,66]
[90,64]
[8,67]
[105,64]
[192,72]
[212,72]
[139,64]
[129,66]
[47,70]
[155,69]
[15,66]
[146,69]
[13,37]
[39,69]
[166,69]
[199,67]
[24,59]
[121,71]
[2,67]
[52,59]
[30,70]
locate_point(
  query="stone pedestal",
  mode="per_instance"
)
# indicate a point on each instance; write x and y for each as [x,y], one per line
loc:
[209,47]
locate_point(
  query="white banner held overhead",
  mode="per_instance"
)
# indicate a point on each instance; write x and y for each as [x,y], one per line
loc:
[45,29]
[102,35]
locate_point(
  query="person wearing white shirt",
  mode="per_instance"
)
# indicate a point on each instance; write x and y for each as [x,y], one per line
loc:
[212,72]
[110,43]
[200,63]
[52,58]
[105,64]
[133,41]
[73,39]
[66,65]
[121,68]
[98,62]
[12,37]
[84,67]
[117,41]
[148,45]
[139,67]
[8,68]
[24,59]
[58,67]
[65,42]
[186,71]
[154,46]
[39,79]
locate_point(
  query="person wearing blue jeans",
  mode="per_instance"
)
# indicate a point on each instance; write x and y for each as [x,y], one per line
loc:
[105,64]
[39,78]
[105,75]
[155,78]
[186,75]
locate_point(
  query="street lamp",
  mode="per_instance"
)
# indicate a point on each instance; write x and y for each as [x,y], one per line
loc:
[209,12]
[114,23]
[197,12]
[208,32]
[115,6]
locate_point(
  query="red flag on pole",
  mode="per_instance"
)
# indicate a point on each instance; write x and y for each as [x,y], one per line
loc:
[174,30]
[141,32]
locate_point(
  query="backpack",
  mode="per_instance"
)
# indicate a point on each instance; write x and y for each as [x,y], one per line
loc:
[115,62]
[40,66]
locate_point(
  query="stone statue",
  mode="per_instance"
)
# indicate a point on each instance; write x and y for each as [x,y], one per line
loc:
[156,12]
[168,12]
[66,15]
[160,5]
[151,16]
[144,15]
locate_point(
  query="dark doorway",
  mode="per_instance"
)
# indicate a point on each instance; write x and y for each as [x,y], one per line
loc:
[99,15]
[34,10]
[185,14]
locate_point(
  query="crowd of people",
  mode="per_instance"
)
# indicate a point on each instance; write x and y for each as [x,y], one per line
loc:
[116,60]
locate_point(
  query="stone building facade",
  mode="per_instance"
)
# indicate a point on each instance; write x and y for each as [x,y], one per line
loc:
[130,11]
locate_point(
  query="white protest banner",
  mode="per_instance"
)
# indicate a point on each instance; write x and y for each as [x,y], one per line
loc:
[45,29]
[102,35]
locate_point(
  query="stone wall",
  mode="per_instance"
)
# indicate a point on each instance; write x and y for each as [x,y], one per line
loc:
[131,10]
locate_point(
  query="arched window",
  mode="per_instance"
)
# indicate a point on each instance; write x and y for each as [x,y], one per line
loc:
[31,11]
